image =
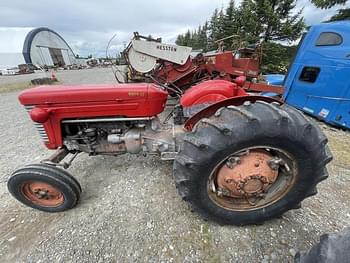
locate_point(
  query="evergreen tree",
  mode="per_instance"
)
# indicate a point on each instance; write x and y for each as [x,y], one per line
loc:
[324,4]
[277,21]
[179,40]
[270,20]
[248,23]
[213,29]
[201,38]
[277,58]
[221,25]
[230,19]
[343,14]
[253,21]
[187,38]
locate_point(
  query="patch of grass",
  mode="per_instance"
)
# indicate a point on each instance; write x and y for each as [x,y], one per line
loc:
[10,87]
[339,143]
[14,86]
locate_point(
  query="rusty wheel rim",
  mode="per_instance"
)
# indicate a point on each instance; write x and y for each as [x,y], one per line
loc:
[284,181]
[42,194]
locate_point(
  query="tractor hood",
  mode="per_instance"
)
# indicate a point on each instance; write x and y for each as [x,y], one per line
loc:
[48,95]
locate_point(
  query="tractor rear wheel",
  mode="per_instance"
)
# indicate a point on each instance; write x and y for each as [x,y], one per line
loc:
[251,163]
[44,187]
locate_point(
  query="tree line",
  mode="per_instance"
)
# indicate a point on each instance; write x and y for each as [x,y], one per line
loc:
[270,22]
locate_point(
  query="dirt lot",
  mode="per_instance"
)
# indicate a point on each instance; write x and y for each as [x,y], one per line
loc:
[130,210]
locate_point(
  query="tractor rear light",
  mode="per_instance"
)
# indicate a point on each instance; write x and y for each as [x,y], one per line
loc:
[39,115]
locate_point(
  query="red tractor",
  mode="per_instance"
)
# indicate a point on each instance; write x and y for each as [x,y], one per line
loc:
[238,159]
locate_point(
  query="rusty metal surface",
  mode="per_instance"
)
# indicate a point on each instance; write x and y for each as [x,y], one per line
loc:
[111,148]
[261,176]
[247,175]
[42,194]
[58,155]
[263,87]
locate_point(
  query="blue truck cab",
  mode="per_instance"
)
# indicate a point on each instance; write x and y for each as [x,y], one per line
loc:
[318,81]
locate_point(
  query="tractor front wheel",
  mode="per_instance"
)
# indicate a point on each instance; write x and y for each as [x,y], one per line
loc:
[44,187]
[251,163]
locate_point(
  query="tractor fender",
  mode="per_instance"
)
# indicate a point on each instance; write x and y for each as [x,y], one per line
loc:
[209,92]
[235,101]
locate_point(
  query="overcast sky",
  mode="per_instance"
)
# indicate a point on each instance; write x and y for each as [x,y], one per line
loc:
[87,25]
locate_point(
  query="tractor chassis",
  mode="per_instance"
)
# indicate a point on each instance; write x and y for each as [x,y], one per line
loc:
[58,156]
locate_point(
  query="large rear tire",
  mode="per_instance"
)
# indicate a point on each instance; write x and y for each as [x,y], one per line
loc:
[214,172]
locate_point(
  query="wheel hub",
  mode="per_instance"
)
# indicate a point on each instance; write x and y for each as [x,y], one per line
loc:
[247,175]
[42,193]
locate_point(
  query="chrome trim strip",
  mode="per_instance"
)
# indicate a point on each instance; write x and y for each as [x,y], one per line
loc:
[38,126]
[107,120]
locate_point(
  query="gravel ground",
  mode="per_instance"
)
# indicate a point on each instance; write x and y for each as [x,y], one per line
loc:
[130,210]
[87,76]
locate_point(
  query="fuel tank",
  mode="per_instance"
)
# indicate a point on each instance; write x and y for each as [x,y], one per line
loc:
[129,100]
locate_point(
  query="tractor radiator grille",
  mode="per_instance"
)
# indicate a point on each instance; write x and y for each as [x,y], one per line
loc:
[40,128]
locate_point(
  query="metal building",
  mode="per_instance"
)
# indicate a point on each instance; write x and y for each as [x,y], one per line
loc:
[44,46]
[40,47]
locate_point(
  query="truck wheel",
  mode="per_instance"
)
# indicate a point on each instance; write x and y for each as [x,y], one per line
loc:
[44,187]
[251,163]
